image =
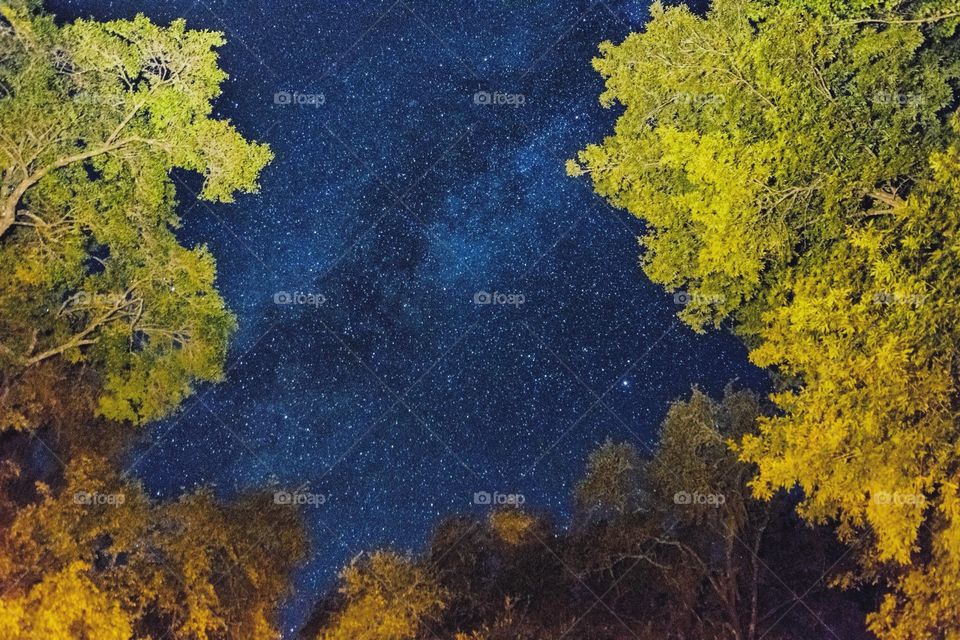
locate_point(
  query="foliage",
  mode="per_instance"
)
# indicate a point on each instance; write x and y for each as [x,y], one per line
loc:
[65,605]
[97,551]
[728,146]
[702,532]
[612,477]
[513,526]
[93,118]
[105,317]
[387,597]
[797,165]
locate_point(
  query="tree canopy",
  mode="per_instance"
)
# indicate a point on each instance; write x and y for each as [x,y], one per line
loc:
[106,319]
[95,557]
[93,118]
[797,167]
[386,597]
[796,164]
[672,545]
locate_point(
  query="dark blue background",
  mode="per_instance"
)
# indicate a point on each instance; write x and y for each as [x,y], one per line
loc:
[398,199]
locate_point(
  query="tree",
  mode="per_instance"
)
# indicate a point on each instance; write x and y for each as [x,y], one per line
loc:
[612,480]
[728,146]
[65,605]
[796,163]
[503,575]
[96,553]
[102,311]
[871,438]
[515,528]
[93,118]
[701,536]
[695,468]
[669,566]
[386,597]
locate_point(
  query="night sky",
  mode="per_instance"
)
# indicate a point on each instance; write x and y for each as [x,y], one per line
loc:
[397,195]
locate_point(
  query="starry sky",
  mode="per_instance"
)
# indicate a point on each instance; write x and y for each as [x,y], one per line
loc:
[419,168]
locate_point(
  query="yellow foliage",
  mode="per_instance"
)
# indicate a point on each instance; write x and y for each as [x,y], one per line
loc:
[388,597]
[783,189]
[513,526]
[160,566]
[67,606]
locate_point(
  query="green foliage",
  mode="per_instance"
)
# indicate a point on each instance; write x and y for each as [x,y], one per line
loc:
[93,118]
[941,11]
[103,311]
[744,146]
[797,166]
